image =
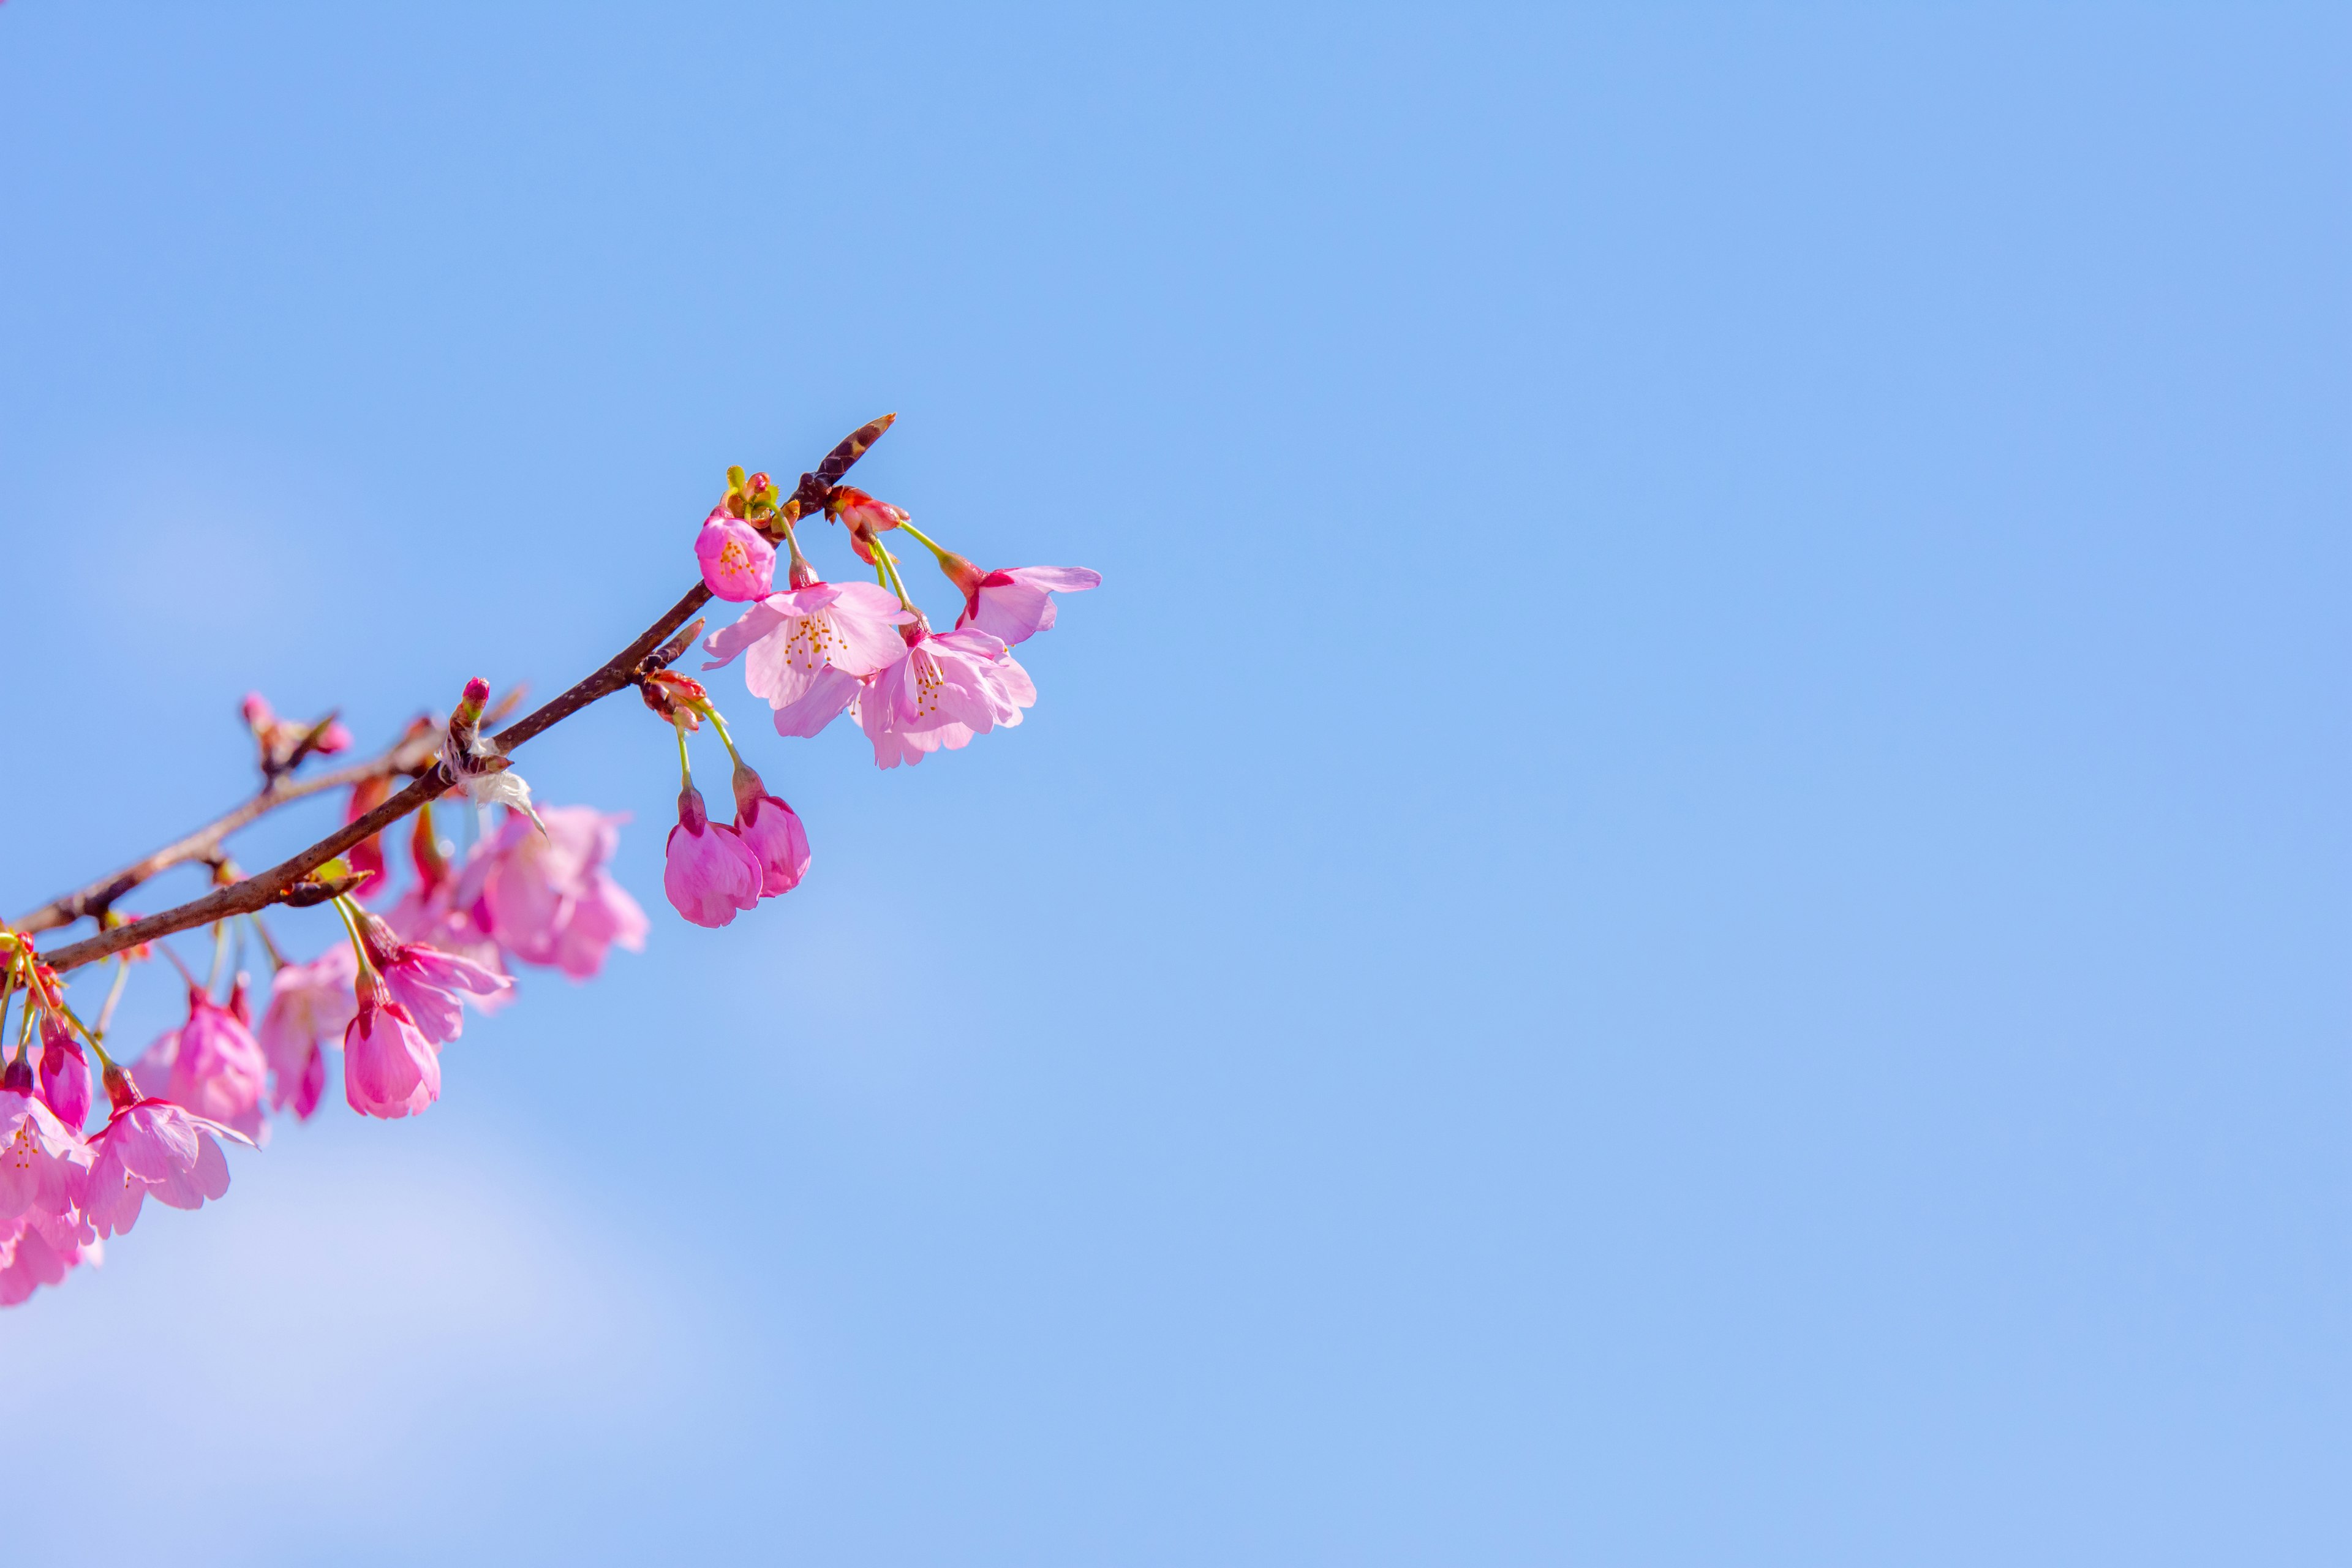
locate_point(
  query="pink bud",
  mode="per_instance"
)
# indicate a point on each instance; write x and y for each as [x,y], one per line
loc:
[771,831]
[710,873]
[65,1074]
[737,565]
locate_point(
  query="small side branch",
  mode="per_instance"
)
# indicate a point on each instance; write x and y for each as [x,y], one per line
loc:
[652,649]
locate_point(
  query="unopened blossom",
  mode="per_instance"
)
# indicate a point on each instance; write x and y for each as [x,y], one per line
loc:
[366,856]
[153,1147]
[737,563]
[771,831]
[864,516]
[64,1079]
[805,651]
[473,762]
[426,981]
[390,1069]
[284,741]
[213,1066]
[43,1161]
[309,1004]
[547,897]
[949,686]
[708,870]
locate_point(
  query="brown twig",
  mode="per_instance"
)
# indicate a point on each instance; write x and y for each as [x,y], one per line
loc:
[409,756]
[648,652]
[644,654]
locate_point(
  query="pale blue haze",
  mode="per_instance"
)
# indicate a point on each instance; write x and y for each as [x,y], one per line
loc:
[1686,902]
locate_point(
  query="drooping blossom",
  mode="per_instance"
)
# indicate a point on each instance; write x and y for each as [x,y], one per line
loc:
[708,870]
[151,1147]
[771,831]
[547,897]
[949,686]
[309,1004]
[805,651]
[213,1066]
[425,981]
[737,563]
[390,1069]
[64,1081]
[429,912]
[1016,603]
[43,1161]
[35,1252]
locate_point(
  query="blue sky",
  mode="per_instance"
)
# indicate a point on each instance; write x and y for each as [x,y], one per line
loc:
[1682,903]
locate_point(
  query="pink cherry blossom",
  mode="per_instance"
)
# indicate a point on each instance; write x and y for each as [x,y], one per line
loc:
[425,979]
[65,1074]
[43,1161]
[309,1004]
[390,1069]
[213,1066]
[429,912]
[153,1147]
[865,517]
[708,871]
[806,650]
[771,831]
[548,898]
[35,1252]
[949,686]
[1016,603]
[737,563]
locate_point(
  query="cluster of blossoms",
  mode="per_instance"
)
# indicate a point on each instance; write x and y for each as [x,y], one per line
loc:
[534,890]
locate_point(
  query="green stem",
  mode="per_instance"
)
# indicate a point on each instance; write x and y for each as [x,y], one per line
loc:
[351,925]
[685,769]
[922,538]
[113,995]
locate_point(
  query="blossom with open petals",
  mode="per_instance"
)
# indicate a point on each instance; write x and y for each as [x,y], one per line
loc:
[152,1147]
[35,1252]
[43,1161]
[949,686]
[426,981]
[309,1004]
[213,1066]
[804,651]
[1016,603]
[548,898]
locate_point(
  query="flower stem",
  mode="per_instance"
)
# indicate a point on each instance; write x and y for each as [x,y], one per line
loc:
[177,964]
[685,769]
[113,995]
[922,538]
[350,924]
[220,954]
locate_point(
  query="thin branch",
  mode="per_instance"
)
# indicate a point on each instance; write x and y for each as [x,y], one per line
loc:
[203,846]
[647,652]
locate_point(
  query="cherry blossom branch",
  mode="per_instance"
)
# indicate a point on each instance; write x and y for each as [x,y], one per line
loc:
[410,755]
[647,652]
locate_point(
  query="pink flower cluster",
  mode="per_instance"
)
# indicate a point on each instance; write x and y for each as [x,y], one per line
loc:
[537,889]
[390,998]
